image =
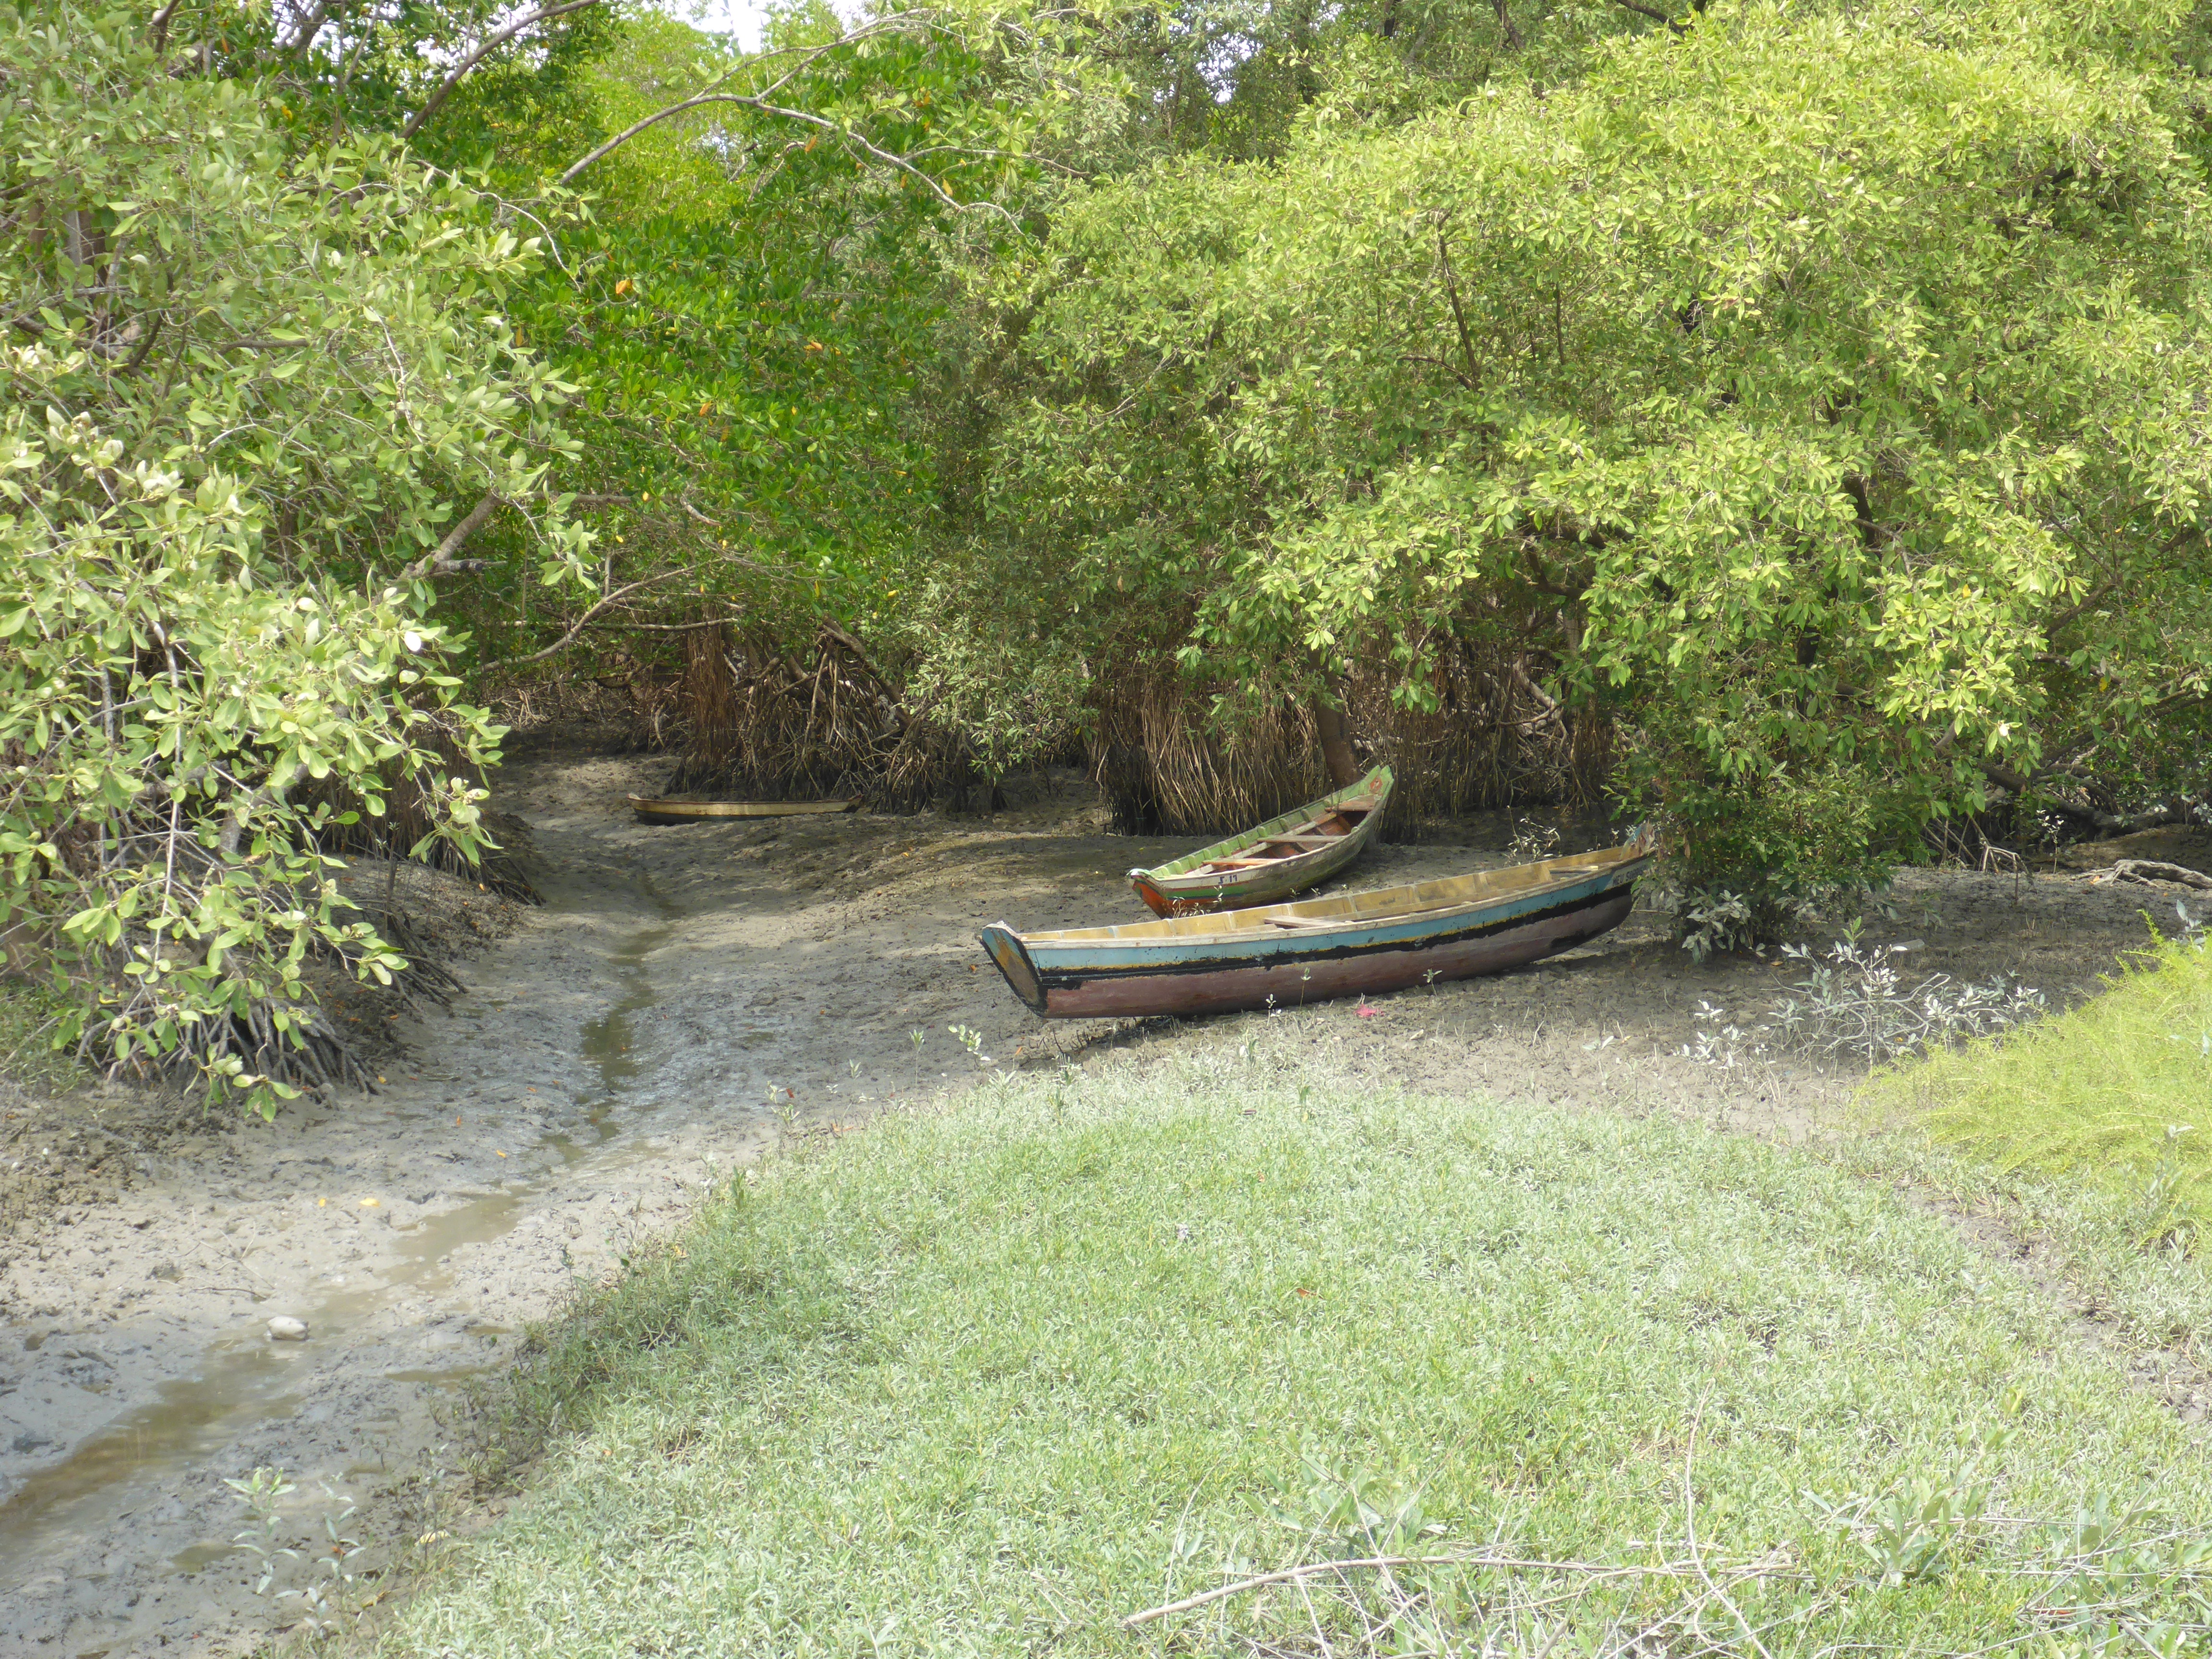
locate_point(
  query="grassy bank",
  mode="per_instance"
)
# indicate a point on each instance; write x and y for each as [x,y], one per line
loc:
[2116,1093]
[988,1381]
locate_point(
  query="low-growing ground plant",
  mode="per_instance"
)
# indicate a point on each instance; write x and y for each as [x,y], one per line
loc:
[328,1588]
[30,1015]
[1297,1365]
[1854,1005]
[2117,1091]
[1532,840]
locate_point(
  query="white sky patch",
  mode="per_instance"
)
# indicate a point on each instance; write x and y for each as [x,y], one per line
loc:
[743,18]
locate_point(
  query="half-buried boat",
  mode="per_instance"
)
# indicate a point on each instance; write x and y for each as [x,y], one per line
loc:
[650,810]
[1352,944]
[1285,855]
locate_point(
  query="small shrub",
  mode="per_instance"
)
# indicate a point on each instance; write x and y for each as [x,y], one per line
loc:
[1854,1005]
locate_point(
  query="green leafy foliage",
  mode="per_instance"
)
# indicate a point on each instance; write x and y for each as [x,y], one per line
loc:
[745,298]
[1837,435]
[245,384]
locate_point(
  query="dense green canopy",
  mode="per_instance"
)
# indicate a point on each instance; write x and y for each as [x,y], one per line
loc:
[1821,392]
[1803,407]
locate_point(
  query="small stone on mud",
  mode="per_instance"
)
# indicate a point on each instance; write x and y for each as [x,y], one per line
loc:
[284,1330]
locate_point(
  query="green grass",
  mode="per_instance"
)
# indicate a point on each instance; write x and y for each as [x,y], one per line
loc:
[2117,1091]
[982,1382]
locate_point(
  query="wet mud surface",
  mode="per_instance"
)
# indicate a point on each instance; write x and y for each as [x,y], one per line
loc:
[687,996]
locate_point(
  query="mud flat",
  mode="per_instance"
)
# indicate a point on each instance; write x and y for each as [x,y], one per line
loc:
[687,996]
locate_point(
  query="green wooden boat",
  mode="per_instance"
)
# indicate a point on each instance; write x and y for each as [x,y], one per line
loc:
[1283,856]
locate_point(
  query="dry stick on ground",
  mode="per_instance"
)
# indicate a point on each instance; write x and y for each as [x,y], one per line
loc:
[2150,870]
[1287,1576]
[1590,1569]
[1690,1530]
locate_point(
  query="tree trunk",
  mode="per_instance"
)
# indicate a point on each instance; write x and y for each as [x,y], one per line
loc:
[710,697]
[1335,745]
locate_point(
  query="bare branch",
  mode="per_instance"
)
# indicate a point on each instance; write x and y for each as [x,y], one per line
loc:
[585,621]
[681,628]
[146,345]
[440,559]
[305,30]
[762,102]
[1459,315]
[806,117]
[2089,602]
[636,127]
[461,70]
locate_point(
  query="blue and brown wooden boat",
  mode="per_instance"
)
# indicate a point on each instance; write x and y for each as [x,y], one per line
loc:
[1283,856]
[1351,943]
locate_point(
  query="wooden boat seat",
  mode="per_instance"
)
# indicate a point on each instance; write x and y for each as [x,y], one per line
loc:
[1291,844]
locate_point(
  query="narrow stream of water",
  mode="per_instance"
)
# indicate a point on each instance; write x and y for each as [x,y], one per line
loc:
[245,1379]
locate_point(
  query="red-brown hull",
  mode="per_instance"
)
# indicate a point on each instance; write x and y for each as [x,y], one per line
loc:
[1158,903]
[1293,984]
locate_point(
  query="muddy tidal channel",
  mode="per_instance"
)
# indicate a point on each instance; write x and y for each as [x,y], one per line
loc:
[687,996]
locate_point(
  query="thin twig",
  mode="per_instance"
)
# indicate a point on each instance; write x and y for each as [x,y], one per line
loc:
[583,621]
[1287,1576]
[461,70]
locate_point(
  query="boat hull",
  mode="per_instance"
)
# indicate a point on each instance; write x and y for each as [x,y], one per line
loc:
[1097,978]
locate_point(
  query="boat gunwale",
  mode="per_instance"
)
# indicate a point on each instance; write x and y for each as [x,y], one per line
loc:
[1227,927]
